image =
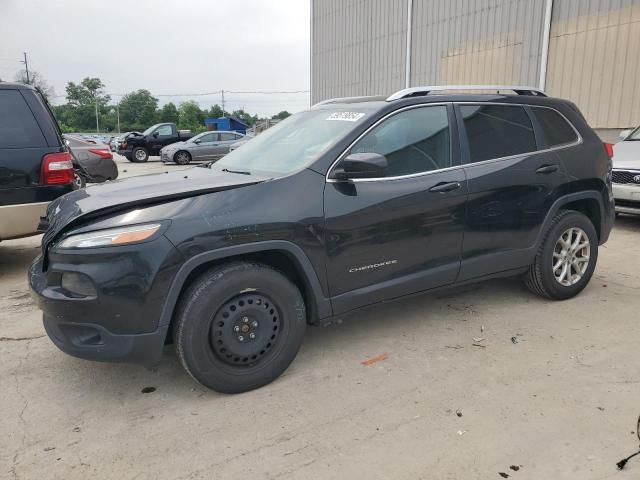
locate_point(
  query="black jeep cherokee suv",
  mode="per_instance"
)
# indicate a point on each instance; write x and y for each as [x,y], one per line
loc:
[353,202]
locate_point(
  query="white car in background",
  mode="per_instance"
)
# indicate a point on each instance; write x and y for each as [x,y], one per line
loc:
[626,172]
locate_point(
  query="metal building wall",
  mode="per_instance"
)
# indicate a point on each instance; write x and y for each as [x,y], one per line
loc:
[476,42]
[358,47]
[594,59]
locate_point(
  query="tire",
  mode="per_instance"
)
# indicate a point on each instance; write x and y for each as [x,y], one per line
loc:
[78,181]
[139,155]
[545,276]
[182,157]
[239,326]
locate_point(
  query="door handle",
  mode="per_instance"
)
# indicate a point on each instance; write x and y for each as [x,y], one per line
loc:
[547,169]
[445,187]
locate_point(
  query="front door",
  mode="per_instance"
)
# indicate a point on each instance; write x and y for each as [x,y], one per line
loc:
[400,234]
[204,149]
[513,180]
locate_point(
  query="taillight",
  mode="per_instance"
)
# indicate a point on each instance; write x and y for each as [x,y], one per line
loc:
[609,149]
[57,169]
[101,153]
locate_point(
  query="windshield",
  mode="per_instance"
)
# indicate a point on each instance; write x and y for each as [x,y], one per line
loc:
[200,135]
[295,142]
[635,135]
[150,129]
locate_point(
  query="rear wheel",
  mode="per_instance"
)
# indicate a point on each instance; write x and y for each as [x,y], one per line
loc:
[139,155]
[78,181]
[566,259]
[182,158]
[239,326]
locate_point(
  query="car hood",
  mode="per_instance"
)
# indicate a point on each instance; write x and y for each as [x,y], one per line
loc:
[627,155]
[173,146]
[110,197]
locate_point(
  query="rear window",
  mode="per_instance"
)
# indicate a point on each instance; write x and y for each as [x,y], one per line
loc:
[496,131]
[556,130]
[18,127]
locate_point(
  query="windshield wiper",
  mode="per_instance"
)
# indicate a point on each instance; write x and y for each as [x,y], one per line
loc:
[236,171]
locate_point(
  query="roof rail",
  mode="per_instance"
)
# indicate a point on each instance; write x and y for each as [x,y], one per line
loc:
[362,98]
[420,91]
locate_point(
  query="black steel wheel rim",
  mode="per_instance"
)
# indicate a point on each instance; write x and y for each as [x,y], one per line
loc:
[245,329]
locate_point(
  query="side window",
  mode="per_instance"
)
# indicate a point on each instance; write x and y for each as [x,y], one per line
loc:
[555,129]
[226,137]
[496,131]
[18,127]
[164,131]
[414,141]
[210,137]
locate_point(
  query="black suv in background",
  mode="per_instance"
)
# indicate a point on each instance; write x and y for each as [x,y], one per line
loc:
[35,166]
[354,202]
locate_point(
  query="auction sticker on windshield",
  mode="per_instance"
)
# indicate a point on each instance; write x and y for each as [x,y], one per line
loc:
[346,116]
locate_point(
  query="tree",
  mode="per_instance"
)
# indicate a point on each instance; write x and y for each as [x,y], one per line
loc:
[82,101]
[215,112]
[190,116]
[281,116]
[168,113]
[37,80]
[245,117]
[138,110]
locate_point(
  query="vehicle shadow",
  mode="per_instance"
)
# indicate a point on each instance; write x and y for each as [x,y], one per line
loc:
[628,223]
[390,321]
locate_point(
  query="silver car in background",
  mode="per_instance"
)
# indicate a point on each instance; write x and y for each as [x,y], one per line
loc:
[626,172]
[207,146]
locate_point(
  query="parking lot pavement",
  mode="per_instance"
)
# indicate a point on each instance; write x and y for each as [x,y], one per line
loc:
[154,165]
[550,388]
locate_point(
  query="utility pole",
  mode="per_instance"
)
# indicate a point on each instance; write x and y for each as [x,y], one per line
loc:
[118,115]
[26,66]
[97,124]
[223,103]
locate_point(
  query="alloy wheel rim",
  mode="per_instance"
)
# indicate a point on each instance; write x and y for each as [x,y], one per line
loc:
[245,329]
[140,155]
[182,157]
[571,256]
[77,180]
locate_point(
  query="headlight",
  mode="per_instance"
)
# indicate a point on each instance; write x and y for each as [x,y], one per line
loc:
[111,236]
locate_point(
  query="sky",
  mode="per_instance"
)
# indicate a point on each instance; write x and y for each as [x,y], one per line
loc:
[166,47]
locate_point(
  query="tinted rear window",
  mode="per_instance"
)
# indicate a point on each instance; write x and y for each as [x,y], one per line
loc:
[496,131]
[18,127]
[555,129]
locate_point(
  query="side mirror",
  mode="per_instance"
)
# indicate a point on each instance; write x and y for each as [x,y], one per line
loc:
[155,134]
[361,165]
[197,142]
[624,134]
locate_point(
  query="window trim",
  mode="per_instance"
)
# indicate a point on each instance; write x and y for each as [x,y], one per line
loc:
[342,156]
[542,134]
[465,142]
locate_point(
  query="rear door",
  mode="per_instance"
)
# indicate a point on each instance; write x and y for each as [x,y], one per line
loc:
[400,234]
[513,180]
[23,144]
[225,141]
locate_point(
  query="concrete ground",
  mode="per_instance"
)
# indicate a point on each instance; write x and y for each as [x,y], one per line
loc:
[549,390]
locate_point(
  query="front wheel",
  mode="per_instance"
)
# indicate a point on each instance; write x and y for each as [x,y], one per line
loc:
[182,158]
[239,326]
[566,258]
[139,155]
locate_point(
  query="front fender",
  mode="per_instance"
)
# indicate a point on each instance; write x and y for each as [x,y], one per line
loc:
[322,304]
